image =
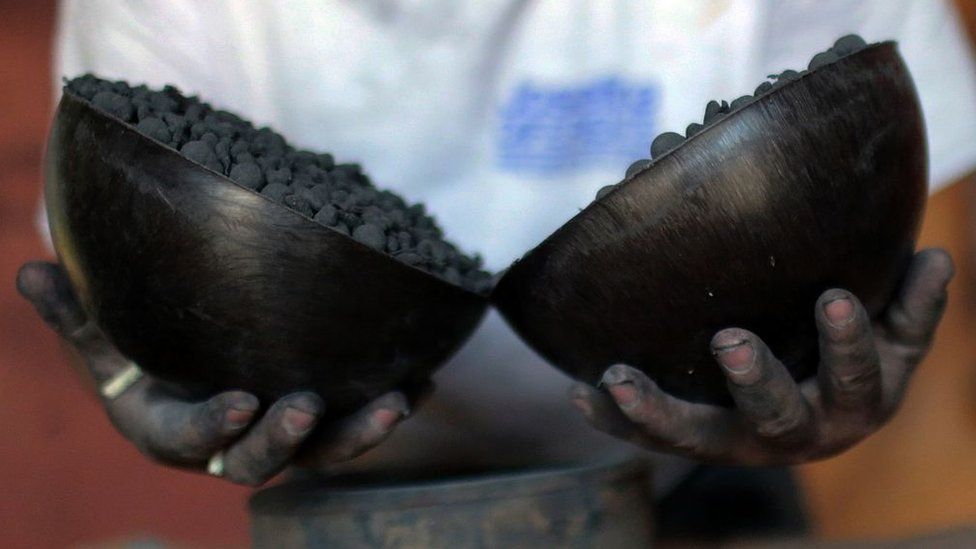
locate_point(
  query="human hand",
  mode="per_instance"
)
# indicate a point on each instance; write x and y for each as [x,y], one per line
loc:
[171,427]
[863,372]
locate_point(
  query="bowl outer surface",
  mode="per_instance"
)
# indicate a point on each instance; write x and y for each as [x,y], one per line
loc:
[213,286]
[818,184]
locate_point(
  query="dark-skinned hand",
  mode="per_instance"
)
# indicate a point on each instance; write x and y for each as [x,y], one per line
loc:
[172,428]
[863,373]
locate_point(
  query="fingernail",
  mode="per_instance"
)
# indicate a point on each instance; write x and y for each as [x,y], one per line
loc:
[839,312]
[384,419]
[626,394]
[298,421]
[737,357]
[619,381]
[616,374]
[235,418]
[583,406]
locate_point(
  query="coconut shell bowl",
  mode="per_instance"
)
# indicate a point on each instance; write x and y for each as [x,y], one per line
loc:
[211,285]
[818,181]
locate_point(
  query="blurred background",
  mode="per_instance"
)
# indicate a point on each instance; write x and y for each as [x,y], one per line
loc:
[68,479]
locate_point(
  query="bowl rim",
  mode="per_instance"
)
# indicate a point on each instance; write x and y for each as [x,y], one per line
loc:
[332,494]
[86,104]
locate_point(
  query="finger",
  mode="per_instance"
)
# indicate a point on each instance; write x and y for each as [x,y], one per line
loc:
[46,287]
[364,429]
[764,392]
[183,433]
[693,429]
[912,318]
[600,410]
[267,448]
[849,377]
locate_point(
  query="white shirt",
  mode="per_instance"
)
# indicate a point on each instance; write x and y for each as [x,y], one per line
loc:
[504,117]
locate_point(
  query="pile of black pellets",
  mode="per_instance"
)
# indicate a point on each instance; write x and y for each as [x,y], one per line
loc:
[338,196]
[716,111]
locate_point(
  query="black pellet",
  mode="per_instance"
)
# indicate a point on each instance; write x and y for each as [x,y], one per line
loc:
[849,44]
[605,191]
[822,59]
[763,88]
[711,109]
[410,258]
[788,75]
[711,117]
[406,241]
[314,200]
[327,215]
[281,175]
[326,162]
[321,193]
[298,204]
[370,235]
[452,275]
[349,217]
[740,102]
[375,216]
[239,148]
[248,175]
[114,104]
[222,148]
[275,191]
[198,151]
[439,251]
[155,128]
[143,111]
[195,112]
[161,102]
[664,143]
[637,166]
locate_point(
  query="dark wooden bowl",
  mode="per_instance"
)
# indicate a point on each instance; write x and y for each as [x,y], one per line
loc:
[820,183]
[213,286]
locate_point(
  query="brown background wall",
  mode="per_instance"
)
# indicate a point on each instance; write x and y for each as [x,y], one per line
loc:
[66,477]
[919,473]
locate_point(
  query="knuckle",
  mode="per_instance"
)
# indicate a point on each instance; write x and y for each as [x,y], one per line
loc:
[861,381]
[193,437]
[166,450]
[244,479]
[687,445]
[899,316]
[914,329]
[781,426]
[622,428]
[913,354]
[243,471]
[647,415]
